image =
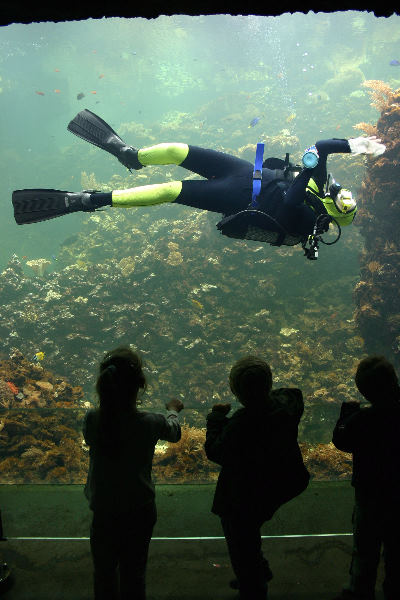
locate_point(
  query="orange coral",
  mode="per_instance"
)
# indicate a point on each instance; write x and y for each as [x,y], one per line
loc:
[186,459]
[381,93]
[368,128]
[373,266]
[325,462]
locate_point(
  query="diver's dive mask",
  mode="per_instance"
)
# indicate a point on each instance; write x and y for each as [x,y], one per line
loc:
[344,202]
[342,198]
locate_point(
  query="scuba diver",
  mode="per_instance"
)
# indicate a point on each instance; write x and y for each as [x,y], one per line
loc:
[271,201]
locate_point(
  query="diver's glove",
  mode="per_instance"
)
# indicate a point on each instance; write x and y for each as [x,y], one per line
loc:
[88,200]
[367,145]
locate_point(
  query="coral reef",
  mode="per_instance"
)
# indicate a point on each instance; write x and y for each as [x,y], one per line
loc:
[38,266]
[376,294]
[40,426]
[381,94]
[325,462]
[187,460]
[41,439]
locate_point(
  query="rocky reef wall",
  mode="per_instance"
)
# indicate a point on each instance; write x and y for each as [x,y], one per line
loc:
[376,294]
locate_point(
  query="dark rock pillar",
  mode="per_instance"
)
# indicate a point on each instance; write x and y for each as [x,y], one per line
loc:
[377,295]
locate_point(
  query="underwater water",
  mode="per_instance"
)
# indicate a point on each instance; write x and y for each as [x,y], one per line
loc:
[163,278]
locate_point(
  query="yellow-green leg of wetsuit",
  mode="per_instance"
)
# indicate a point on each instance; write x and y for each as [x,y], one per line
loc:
[146,195]
[163,154]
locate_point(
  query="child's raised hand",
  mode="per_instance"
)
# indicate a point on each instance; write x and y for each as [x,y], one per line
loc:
[174,404]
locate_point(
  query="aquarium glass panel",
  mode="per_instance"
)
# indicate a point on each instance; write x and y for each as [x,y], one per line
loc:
[158,274]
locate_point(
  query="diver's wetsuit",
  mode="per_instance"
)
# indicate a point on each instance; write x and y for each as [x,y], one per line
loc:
[229,185]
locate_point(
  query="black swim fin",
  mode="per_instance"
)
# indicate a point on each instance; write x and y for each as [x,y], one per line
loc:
[31,206]
[94,130]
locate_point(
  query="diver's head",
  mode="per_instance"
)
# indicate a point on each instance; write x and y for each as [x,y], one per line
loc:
[377,381]
[338,202]
[250,380]
[120,378]
[343,200]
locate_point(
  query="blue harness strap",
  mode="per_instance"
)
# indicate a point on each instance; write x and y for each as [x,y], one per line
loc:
[257,174]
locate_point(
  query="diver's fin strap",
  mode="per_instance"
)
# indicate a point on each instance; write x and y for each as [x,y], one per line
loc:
[257,174]
[163,154]
[147,195]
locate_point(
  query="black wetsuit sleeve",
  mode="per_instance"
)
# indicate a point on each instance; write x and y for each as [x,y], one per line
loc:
[333,146]
[295,194]
[326,147]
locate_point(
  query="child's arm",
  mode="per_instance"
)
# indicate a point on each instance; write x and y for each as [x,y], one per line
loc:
[345,434]
[216,423]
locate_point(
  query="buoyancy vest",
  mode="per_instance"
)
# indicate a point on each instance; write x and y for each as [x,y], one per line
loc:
[314,195]
[255,223]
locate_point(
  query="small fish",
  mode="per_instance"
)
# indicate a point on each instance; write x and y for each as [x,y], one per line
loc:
[197,303]
[101,76]
[394,63]
[254,121]
[80,96]
[291,117]
[39,93]
[93,92]
[57,91]
[24,257]
[337,127]
[57,70]
[12,387]
[39,356]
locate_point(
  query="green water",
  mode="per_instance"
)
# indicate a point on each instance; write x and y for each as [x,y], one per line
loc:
[201,81]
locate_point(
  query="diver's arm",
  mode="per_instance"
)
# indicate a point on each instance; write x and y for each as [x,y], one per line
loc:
[296,192]
[326,147]
[332,146]
[361,145]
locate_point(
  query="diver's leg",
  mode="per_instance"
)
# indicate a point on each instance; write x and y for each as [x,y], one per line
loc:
[218,195]
[211,163]
[145,195]
[204,162]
